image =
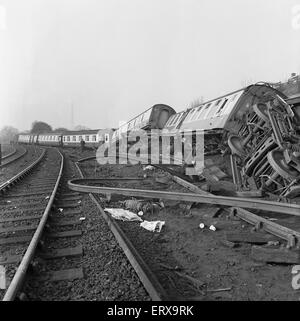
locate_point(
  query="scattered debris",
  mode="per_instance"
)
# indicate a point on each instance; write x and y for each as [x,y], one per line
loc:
[245,237]
[154,226]
[196,282]
[60,209]
[149,168]
[140,213]
[275,243]
[228,243]
[81,218]
[163,180]
[212,228]
[142,205]
[221,289]
[121,214]
[202,225]
[270,255]
[176,268]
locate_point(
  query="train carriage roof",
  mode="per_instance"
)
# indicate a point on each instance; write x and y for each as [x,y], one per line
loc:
[81,132]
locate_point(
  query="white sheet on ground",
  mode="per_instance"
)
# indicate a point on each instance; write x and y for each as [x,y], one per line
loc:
[121,214]
[154,226]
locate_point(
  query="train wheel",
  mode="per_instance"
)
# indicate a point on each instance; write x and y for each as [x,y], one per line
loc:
[279,164]
[261,111]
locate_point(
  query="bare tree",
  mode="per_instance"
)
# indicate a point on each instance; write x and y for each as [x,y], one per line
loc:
[80,127]
[8,133]
[39,127]
[196,102]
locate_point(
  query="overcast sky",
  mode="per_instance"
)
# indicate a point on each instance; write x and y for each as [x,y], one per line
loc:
[112,59]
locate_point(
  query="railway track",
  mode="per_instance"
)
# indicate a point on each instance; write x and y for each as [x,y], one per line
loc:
[9,154]
[262,224]
[18,153]
[30,216]
[148,279]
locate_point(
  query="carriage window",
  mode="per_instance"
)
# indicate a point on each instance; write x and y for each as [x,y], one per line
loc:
[87,138]
[196,115]
[218,102]
[94,138]
[106,138]
[174,120]
[170,120]
[80,138]
[222,106]
[74,138]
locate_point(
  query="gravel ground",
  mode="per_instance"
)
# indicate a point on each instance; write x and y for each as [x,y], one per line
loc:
[13,205]
[7,149]
[182,247]
[107,272]
[14,168]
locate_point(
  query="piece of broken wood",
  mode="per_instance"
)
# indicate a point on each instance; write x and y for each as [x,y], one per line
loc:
[279,255]
[246,237]
[196,282]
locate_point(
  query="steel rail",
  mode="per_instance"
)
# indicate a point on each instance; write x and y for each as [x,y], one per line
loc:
[9,155]
[22,173]
[15,159]
[136,159]
[291,236]
[20,274]
[150,282]
[285,208]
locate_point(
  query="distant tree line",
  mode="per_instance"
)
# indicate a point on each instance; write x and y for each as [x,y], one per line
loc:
[40,127]
[8,134]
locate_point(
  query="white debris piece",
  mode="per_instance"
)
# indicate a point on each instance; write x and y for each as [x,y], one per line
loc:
[149,167]
[81,218]
[121,214]
[60,209]
[47,197]
[154,226]
[212,228]
[140,213]
[79,202]
[201,225]
[8,201]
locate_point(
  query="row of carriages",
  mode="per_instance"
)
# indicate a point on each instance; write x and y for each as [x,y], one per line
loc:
[91,138]
[225,115]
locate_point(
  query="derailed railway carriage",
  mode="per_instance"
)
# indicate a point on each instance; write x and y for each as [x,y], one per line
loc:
[256,129]
[259,127]
[153,118]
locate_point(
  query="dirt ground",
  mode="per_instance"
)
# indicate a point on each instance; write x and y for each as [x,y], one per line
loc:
[182,250]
